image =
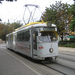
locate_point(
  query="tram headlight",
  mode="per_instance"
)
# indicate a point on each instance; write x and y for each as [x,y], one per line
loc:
[51,50]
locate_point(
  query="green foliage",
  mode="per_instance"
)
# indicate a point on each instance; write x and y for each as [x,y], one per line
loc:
[68,45]
[59,15]
[1,28]
[15,25]
[49,15]
[72,9]
[7,28]
[72,24]
[3,31]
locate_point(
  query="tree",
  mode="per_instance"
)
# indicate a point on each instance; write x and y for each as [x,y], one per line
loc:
[3,31]
[1,28]
[15,25]
[59,15]
[72,24]
[7,28]
[49,15]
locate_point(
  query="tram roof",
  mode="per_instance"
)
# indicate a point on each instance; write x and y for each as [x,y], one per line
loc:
[31,23]
[36,24]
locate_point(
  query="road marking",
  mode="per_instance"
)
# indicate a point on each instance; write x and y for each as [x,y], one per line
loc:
[23,63]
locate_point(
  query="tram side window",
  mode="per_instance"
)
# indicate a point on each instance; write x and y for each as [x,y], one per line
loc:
[17,36]
[22,36]
[27,36]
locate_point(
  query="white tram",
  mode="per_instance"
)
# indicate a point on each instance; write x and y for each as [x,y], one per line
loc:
[36,40]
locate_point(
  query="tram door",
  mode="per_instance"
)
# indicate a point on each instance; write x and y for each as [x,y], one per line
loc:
[34,43]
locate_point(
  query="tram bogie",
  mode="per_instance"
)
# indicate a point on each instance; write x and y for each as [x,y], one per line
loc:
[36,40]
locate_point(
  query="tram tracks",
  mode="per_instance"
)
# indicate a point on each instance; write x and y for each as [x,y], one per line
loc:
[54,69]
[67,63]
[56,66]
[45,69]
[64,65]
[67,59]
[67,54]
[41,68]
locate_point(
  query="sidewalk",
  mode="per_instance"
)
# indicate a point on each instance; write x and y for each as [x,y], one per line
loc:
[66,49]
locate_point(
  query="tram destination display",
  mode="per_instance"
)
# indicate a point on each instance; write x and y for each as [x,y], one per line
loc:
[49,29]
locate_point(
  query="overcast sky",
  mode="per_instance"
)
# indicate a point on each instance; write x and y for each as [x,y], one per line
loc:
[14,10]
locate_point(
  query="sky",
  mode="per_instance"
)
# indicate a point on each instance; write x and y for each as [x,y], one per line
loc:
[14,11]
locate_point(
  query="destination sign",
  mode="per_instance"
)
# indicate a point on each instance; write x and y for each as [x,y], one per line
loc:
[49,29]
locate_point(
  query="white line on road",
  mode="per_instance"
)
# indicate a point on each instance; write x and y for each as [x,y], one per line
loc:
[23,63]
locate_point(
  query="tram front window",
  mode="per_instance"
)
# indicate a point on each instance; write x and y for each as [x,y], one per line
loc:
[48,36]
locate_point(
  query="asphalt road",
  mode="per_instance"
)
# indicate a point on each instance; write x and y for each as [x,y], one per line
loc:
[11,65]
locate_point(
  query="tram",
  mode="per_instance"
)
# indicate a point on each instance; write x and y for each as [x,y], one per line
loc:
[37,40]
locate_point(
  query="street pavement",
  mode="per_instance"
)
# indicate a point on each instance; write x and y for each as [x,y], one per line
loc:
[66,49]
[11,65]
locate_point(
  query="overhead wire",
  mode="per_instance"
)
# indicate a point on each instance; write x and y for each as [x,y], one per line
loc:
[51,2]
[42,7]
[24,13]
[39,9]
